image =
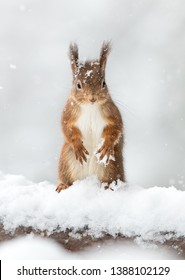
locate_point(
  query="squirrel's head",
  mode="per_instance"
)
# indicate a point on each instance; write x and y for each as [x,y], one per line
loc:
[89,84]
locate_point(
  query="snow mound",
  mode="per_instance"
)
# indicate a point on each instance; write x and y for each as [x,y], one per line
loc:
[30,247]
[129,210]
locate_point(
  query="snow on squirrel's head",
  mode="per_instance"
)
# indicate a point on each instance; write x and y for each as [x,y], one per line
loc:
[89,84]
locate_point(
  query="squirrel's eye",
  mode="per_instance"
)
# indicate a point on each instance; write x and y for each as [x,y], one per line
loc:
[103,84]
[78,85]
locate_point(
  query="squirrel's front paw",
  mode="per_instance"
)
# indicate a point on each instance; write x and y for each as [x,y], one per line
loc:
[81,153]
[106,150]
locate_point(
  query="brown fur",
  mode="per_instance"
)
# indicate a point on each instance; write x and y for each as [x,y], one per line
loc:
[89,87]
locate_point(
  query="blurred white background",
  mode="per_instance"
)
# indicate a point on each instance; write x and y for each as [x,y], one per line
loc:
[145,75]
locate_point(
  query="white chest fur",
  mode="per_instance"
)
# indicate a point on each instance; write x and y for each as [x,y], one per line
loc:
[91,124]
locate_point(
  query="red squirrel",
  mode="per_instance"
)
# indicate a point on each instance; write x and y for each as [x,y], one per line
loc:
[92,125]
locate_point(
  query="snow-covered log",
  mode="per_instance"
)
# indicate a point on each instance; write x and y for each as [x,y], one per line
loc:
[86,212]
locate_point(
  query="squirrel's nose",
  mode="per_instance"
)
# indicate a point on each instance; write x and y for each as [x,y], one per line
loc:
[92,100]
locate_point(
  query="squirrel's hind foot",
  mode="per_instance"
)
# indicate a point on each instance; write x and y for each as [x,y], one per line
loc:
[61,187]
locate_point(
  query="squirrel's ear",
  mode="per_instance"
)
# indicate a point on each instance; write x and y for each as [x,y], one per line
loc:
[73,55]
[105,50]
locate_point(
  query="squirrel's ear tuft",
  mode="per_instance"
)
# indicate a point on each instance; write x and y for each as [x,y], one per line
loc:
[73,55]
[105,50]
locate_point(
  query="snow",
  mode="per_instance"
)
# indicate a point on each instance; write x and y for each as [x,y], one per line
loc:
[22,8]
[88,73]
[13,66]
[104,160]
[129,210]
[31,247]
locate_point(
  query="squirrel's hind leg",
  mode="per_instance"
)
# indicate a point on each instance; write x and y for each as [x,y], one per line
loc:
[64,173]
